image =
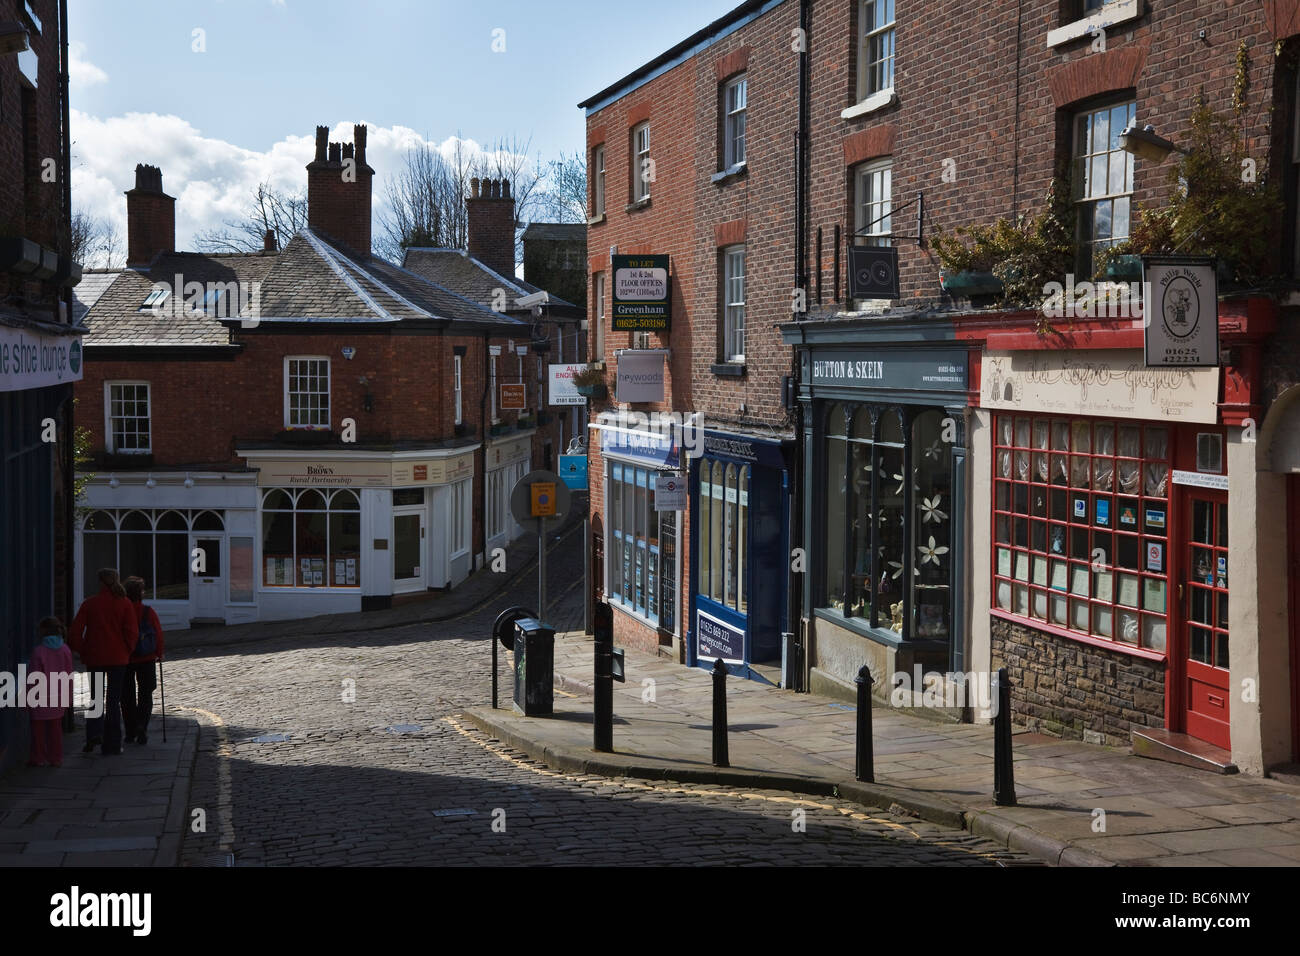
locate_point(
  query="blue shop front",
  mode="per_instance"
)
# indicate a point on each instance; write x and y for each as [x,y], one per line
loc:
[740,568]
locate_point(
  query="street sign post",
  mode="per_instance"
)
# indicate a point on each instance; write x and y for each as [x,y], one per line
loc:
[540,496]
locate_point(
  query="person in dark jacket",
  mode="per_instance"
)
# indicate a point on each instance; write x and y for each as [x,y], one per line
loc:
[104,634]
[141,673]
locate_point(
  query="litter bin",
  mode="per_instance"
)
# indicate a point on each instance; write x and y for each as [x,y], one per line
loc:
[534,668]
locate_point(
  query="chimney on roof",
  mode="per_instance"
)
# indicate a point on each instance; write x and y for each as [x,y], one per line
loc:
[338,190]
[490,213]
[150,217]
[268,241]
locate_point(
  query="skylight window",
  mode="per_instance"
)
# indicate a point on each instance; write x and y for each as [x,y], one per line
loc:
[155,299]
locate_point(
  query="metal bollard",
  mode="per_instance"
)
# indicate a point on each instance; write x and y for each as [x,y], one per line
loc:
[603,691]
[1004,780]
[720,714]
[864,762]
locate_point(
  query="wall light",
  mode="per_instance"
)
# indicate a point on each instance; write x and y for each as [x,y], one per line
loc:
[1146,144]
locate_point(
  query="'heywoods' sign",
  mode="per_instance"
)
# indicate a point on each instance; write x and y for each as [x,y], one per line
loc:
[30,359]
[1111,383]
[642,296]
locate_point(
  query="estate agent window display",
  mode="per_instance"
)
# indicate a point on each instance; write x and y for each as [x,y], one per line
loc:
[888,513]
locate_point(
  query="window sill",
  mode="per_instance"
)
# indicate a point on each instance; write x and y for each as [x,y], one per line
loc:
[635,615]
[1131,650]
[638,205]
[734,171]
[859,626]
[596,220]
[1111,15]
[729,369]
[876,101]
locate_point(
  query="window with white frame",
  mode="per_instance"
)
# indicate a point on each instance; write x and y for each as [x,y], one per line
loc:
[598,181]
[306,392]
[873,203]
[127,426]
[1103,181]
[641,169]
[455,360]
[642,573]
[875,47]
[311,538]
[733,300]
[734,97]
[598,284]
[493,352]
[461,495]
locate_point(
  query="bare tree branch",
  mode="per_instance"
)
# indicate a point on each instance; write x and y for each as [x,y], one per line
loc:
[283,213]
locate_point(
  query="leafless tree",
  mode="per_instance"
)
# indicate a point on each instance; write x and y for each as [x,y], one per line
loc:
[565,190]
[96,243]
[269,208]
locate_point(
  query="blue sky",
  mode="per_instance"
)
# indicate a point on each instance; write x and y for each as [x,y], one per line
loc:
[245,108]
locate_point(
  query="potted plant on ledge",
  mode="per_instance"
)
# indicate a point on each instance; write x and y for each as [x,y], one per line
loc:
[590,382]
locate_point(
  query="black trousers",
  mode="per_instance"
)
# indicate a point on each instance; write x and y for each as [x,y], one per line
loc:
[137,697]
[107,728]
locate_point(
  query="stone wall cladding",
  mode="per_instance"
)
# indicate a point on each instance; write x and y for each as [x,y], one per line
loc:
[1065,688]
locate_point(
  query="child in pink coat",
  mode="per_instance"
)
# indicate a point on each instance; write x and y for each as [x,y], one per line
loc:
[53,658]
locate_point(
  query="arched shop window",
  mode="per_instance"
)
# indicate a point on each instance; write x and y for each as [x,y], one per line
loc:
[152,544]
[887,522]
[724,517]
[311,538]
[643,554]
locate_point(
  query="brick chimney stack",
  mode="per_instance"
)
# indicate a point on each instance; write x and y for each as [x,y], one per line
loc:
[268,241]
[338,190]
[150,217]
[490,211]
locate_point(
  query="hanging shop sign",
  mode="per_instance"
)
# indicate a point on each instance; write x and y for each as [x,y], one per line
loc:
[573,471]
[873,272]
[1114,383]
[562,390]
[1181,313]
[642,294]
[943,370]
[514,397]
[30,359]
[670,493]
[640,376]
[716,638]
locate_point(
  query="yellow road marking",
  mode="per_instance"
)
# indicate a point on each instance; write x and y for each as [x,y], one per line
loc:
[226,826]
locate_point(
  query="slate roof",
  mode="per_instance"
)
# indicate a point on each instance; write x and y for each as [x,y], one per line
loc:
[312,280]
[87,292]
[459,271]
[556,231]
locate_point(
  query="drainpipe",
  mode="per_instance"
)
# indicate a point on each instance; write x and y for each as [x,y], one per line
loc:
[482,445]
[69,551]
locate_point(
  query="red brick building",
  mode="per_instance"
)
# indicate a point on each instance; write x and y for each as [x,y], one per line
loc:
[968,487]
[320,427]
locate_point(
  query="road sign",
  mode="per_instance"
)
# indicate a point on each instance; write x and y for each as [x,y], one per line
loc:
[543,499]
[521,496]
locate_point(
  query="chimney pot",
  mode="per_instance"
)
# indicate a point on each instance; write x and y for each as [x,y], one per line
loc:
[268,241]
[473,187]
[150,217]
[359,137]
[496,189]
[347,151]
[490,214]
[339,207]
[335,151]
[505,189]
[322,140]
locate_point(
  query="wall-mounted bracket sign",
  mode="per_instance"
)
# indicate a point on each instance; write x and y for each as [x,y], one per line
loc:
[873,272]
[1181,311]
[642,294]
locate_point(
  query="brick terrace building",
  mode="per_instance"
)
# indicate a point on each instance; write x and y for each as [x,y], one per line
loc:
[40,351]
[316,421]
[955,482]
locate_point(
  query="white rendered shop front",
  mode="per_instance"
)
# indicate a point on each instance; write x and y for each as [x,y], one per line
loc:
[347,531]
[191,536]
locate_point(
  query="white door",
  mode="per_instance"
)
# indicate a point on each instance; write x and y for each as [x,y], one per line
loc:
[207,582]
[408,550]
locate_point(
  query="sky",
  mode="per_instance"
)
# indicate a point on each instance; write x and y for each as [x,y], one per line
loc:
[224,94]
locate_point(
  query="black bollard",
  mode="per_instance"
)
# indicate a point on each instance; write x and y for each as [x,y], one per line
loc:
[1004,780]
[720,714]
[864,763]
[603,691]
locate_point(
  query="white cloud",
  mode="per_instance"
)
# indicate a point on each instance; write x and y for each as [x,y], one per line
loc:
[212,180]
[81,72]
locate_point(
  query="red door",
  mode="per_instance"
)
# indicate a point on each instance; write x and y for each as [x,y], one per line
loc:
[1203,642]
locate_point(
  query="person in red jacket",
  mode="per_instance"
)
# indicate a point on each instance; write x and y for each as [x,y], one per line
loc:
[141,673]
[104,634]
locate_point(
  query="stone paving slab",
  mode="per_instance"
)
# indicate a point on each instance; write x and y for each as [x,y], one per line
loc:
[1155,813]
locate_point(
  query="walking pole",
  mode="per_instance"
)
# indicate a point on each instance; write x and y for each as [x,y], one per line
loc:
[162,687]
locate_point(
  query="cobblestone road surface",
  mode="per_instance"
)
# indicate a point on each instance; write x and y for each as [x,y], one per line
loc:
[348,751]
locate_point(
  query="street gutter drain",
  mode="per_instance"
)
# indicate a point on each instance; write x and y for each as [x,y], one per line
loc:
[268,739]
[404,728]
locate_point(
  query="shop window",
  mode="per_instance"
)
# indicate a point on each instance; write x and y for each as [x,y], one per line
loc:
[1103,181]
[724,523]
[461,493]
[1080,526]
[888,525]
[643,559]
[1209,452]
[151,544]
[242,579]
[128,418]
[306,392]
[875,47]
[311,538]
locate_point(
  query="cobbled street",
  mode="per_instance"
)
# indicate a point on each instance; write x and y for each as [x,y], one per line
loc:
[290,772]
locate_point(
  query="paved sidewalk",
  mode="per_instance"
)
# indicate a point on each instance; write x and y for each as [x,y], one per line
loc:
[101,811]
[1155,813]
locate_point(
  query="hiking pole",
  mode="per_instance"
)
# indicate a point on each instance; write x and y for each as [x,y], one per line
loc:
[162,688]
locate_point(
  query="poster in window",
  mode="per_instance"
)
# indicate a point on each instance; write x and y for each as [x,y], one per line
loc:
[304,566]
[1080,507]
[1155,518]
[1103,512]
[1128,515]
[1155,556]
[271,564]
[339,571]
[931,622]
[352,570]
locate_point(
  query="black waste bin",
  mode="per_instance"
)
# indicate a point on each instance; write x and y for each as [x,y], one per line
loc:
[534,668]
